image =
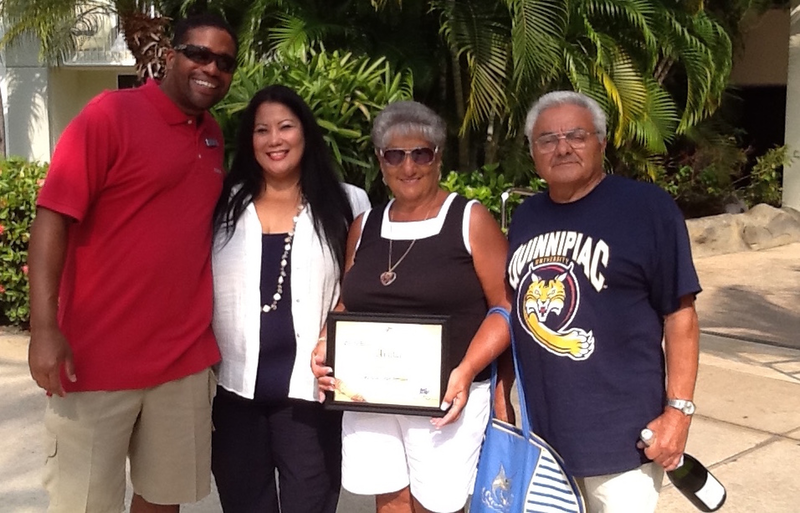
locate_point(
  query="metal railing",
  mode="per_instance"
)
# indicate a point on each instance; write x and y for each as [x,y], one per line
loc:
[519,191]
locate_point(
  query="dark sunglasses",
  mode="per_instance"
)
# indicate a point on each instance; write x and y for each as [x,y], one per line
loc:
[203,56]
[420,156]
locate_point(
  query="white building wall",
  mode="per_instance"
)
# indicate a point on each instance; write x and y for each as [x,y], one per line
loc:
[4,96]
[28,133]
[791,173]
[40,101]
[71,89]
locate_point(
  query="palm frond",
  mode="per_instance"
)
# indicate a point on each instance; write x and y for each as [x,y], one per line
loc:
[537,30]
[476,34]
[57,24]
[256,12]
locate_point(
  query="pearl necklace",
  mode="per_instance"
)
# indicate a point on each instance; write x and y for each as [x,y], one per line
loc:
[287,248]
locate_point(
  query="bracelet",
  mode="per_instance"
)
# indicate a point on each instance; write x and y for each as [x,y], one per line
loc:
[322,339]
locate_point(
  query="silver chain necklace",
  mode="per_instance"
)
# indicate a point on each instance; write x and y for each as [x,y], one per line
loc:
[287,248]
[388,276]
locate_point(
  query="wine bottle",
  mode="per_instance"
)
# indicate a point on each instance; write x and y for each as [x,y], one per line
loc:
[693,480]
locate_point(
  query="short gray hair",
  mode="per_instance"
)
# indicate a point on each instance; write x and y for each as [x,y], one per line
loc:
[408,118]
[556,98]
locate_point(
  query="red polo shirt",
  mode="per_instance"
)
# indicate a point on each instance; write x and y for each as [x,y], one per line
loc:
[141,179]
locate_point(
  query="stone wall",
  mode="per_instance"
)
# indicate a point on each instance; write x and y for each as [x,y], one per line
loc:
[761,227]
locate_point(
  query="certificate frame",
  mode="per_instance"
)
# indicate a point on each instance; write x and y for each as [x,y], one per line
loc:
[402,360]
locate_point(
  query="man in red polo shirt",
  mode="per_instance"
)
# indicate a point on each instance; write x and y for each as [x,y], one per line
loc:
[120,277]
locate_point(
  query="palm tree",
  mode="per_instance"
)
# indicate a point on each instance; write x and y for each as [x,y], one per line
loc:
[58,25]
[657,68]
[405,33]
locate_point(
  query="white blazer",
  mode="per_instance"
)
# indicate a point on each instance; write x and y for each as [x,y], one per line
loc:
[236,268]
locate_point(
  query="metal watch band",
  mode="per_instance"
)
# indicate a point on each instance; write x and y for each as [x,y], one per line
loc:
[685,406]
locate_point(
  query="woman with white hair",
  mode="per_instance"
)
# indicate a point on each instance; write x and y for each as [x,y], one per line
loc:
[445,256]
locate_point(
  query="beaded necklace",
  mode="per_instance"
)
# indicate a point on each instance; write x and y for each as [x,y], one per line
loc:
[287,247]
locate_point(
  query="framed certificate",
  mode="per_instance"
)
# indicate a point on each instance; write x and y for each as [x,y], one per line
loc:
[388,363]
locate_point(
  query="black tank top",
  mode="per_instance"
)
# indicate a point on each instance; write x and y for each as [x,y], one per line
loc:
[437,277]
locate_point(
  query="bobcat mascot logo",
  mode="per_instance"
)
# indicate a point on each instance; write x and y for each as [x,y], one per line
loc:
[549,304]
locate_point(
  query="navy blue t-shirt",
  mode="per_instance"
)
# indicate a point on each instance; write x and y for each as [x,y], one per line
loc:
[592,282]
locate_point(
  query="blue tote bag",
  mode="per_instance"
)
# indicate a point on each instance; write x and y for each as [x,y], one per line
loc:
[518,472]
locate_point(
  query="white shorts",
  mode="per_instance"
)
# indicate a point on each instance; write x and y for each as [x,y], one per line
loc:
[634,491]
[384,453]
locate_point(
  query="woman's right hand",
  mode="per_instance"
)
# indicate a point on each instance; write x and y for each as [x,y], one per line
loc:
[325,382]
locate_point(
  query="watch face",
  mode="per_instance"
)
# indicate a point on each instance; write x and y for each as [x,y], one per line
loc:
[688,408]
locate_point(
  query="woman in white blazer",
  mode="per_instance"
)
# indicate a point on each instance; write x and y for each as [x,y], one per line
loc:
[280,235]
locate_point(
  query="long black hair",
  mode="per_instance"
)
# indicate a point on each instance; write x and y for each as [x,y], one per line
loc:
[319,185]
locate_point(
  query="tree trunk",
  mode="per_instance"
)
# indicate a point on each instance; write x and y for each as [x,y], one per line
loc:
[492,145]
[458,95]
[148,42]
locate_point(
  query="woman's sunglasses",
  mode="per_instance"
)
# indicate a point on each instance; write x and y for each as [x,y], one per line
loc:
[203,56]
[420,156]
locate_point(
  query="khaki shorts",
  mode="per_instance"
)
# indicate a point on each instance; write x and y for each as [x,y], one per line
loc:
[164,430]
[634,491]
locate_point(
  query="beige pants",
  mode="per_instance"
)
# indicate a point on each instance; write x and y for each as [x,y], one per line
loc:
[164,430]
[634,491]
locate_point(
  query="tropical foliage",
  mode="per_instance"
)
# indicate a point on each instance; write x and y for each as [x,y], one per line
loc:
[60,25]
[19,183]
[655,67]
[707,178]
[658,67]
[344,92]
[489,186]
[765,181]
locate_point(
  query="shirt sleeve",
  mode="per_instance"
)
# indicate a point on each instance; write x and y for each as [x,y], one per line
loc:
[359,201]
[82,159]
[674,274]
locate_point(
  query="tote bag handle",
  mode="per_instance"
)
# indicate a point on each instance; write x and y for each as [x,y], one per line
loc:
[525,420]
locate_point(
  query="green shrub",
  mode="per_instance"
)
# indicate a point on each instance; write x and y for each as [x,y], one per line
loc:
[487,185]
[344,92]
[19,183]
[708,177]
[765,182]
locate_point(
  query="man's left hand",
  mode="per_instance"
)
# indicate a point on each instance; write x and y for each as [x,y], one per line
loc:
[670,432]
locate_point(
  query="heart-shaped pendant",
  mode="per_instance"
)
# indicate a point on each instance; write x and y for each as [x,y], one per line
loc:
[388,278]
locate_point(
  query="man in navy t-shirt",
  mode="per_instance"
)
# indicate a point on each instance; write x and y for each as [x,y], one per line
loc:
[601,271]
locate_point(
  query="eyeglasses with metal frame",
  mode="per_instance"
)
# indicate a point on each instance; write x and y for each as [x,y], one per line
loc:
[576,138]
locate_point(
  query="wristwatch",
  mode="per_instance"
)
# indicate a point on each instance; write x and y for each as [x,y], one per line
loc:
[685,406]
